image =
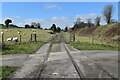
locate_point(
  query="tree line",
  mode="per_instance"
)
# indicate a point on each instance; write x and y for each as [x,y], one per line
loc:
[107,13]
[33,25]
[54,28]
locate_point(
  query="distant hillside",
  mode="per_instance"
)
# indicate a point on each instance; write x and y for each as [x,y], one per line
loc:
[9,27]
[111,31]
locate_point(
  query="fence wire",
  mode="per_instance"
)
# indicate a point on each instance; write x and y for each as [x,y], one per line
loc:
[8,39]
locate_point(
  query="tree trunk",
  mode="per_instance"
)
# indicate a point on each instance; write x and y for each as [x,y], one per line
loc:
[7,25]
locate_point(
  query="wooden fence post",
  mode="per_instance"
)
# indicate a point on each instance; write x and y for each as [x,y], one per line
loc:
[92,40]
[35,37]
[20,37]
[2,38]
[31,38]
[70,38]
[73,37]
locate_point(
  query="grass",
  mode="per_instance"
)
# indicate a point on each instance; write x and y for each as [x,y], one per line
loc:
[98,35]
[6,71]
[26,48]
[90,39]
[96,40]
[8,27]
[42,35]
[103,28]
[90,46]
[66,36]
[57,39]
[90,43]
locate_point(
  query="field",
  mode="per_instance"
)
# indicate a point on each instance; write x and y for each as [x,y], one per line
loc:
[90,43]
[96,40]
[104,34]
[9,27]
[42,35]
[25,46]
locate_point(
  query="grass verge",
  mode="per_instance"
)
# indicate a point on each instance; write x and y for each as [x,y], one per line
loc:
[26,48]
[6,71]
[90,46]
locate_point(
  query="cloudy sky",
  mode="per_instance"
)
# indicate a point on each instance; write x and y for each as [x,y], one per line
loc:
[47,13]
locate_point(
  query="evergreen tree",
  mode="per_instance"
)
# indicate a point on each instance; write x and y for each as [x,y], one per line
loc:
[53,28]
[66,29]
[27,26]
[58,29]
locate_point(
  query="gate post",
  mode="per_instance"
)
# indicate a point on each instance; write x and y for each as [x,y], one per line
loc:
[35,37]
[73,37]
[20,38]
[70,37]
[2,33]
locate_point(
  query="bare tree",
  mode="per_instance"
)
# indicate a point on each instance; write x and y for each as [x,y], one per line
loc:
[34,24]
[97,21]
[78,20]
[89,22]
[108,12]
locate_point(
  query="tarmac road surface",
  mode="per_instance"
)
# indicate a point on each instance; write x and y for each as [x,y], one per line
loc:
[92,63]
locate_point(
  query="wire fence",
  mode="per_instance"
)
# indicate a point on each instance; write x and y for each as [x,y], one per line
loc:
[69,37]
[8,40]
